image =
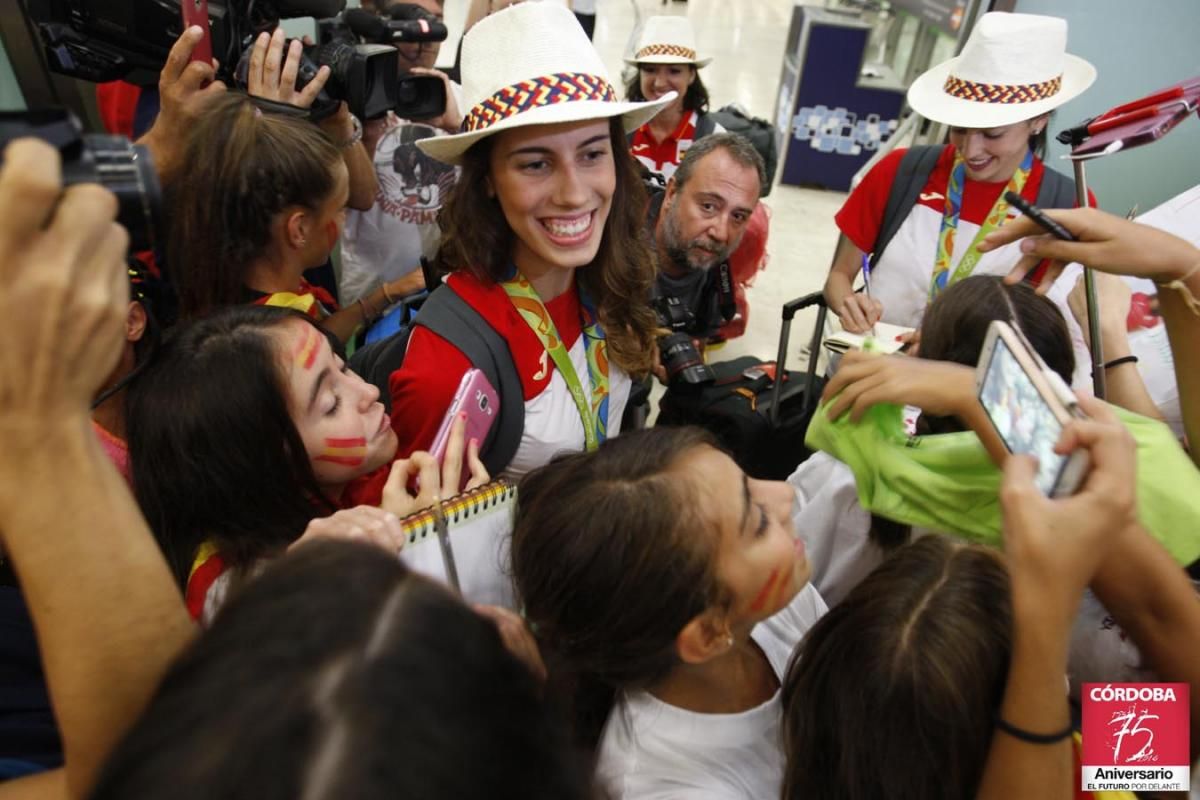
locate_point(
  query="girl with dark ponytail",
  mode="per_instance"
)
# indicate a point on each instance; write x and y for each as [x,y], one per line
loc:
[667,591]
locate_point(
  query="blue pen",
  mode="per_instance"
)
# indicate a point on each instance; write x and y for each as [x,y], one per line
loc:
[866,271]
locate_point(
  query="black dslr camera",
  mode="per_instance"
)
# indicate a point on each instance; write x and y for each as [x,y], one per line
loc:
[684,365]
[114,162]
[104,40]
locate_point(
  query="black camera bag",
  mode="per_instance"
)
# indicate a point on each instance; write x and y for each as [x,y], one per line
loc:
[761,423]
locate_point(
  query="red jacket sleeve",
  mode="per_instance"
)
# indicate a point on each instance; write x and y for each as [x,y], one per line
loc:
[423,388]
[861,216]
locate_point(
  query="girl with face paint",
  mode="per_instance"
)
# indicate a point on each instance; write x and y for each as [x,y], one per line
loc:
[668,590]
[260,199]
[247,431]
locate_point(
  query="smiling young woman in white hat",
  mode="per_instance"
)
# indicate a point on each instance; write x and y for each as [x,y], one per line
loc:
[667,61]
[542,236]
[996,97]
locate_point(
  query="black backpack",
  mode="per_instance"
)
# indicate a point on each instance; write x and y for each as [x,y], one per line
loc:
[758,131]
[448,315]
[916,165]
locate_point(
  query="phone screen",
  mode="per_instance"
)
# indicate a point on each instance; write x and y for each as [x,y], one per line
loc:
[1021,415]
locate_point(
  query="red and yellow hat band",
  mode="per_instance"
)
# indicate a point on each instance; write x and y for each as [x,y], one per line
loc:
[676,50]
[1002,92]
[548,90]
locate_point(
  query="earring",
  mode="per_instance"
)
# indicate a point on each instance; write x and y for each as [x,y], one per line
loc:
[729,642]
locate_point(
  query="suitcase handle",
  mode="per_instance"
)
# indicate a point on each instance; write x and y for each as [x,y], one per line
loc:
[800,303]
[789,311]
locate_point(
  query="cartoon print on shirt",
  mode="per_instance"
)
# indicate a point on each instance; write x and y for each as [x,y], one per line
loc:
[417,184]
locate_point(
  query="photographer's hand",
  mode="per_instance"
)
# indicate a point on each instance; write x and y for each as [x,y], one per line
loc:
[185,89]
[451,118]
[108,616]
[273,77]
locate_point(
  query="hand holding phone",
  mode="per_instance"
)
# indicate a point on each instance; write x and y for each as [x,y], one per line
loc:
[1029,404]
[195,12]
[479,405]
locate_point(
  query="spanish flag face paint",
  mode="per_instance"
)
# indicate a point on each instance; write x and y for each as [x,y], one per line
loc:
[345,429]
[309,345]
[345,452]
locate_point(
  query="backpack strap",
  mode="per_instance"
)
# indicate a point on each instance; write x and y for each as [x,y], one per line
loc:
[705,125]
[448,315]
[916,165]
[1056,190]
[451,317]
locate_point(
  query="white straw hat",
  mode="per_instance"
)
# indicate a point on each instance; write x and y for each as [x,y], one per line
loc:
[667,40]
[532,64]
[1013,67]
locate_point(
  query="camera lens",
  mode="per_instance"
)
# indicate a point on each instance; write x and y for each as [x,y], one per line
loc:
[683,362]
[483,402]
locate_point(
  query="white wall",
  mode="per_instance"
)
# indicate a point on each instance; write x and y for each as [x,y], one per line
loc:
[1138,47]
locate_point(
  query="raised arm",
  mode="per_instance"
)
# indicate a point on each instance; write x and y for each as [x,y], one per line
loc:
[108,616]
[1053,549]
[1111,244]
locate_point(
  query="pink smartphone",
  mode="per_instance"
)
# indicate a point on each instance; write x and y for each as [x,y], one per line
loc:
[195,12]
[478,400]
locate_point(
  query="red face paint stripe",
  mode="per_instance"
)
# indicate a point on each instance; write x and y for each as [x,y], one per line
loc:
[346,461]
[306,352]
[761,598]
[355,442]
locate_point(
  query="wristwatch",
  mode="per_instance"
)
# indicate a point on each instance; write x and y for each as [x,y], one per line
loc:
[356,135]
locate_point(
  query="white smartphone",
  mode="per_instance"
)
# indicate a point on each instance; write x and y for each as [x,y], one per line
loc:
[1028,404]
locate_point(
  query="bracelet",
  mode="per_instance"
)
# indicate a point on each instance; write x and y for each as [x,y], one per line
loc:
[387,296]
[367,318]
[1181,287]
[1116,362]
[1034,738]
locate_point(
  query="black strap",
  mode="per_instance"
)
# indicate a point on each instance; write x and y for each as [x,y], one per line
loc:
[916,165]
[705,125]
[726,298]
[451,317]
[445,313]
[1056,190]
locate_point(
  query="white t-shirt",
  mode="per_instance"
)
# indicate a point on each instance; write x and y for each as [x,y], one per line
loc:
[834,527]
[387,241]
[654,750]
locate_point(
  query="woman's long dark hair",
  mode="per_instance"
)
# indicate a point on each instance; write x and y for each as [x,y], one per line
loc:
[954,328]
[893,692]
[611,560]
[241,169]
[337,673]
[694,99]
[476,238]
[213,450]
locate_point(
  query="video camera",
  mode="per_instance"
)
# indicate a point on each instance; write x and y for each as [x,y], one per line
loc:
[104,40]
[114,162]
[417,96]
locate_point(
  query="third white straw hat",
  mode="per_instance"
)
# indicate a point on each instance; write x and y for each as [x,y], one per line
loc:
[1013,67]
[532,64]
[667,40]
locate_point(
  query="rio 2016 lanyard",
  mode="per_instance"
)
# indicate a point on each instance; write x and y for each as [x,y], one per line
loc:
[594,415]
[995,218]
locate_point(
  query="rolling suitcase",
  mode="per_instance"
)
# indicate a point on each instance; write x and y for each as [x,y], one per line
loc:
[759,419]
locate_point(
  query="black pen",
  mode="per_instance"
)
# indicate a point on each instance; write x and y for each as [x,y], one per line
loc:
[1037,215]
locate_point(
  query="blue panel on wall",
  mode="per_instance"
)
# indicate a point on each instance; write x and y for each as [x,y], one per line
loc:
[836,124]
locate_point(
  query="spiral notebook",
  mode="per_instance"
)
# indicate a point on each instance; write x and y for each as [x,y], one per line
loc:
[479,523]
